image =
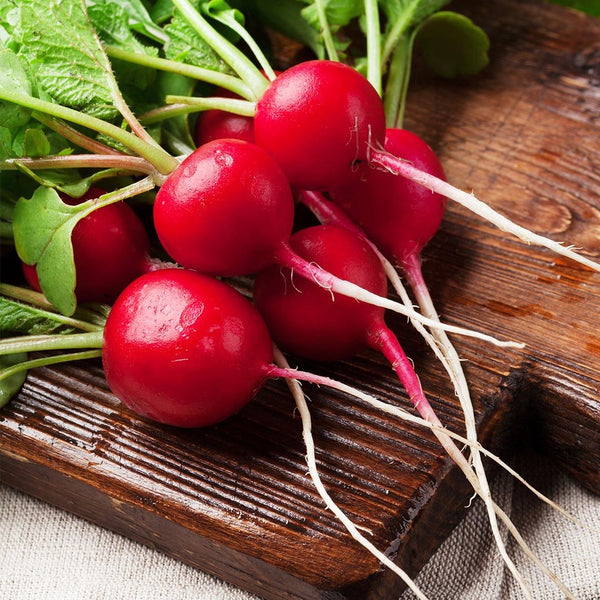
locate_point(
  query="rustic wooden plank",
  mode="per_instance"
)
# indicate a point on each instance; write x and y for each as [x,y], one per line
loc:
[524,135]
[235,499]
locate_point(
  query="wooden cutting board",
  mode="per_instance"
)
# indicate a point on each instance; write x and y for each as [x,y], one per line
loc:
[235,500]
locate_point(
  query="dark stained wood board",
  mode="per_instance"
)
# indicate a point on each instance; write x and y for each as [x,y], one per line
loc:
[235,499]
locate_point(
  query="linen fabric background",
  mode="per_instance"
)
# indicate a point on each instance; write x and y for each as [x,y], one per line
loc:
[48,554]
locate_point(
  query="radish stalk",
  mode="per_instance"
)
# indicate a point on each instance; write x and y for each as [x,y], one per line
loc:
[237,60]
[373,44]
[231,105]
[217,78]
[46,361]
[126,163]
[158,157]
[76,137]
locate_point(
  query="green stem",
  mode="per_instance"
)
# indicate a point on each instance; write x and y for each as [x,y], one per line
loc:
[250,41]
[156,115]
[38,303]
[228,82]
[236,59]
[232,105]
[408,52]
[124,162]
[161,159]
[373,44]
[74,136]
[35,343]
[398,30]
[397,83]
[326,32]
[130,118]
[47,360]
[138,187]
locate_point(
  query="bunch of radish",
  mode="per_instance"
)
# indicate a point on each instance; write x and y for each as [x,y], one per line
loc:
[314,134]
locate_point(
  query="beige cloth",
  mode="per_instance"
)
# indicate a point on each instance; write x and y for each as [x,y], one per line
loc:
[47,554]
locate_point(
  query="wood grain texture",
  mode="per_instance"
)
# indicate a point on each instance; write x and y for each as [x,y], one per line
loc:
[235,499]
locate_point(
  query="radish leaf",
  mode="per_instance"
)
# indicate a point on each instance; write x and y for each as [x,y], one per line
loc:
[42,229]
[112,23]
[138,18]
[17,317]
[452,44]
[185,45]
[65,55]
[13,75]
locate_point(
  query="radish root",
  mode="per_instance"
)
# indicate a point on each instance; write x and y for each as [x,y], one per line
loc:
[304,412]
[392,164]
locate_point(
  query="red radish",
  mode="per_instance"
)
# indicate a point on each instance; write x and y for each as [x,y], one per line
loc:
[225,210]
[320,119]
[110,248]
[228,210]
[184,349]
[218,124]
[398,215]
[308,320]
[317,119]
[312,323]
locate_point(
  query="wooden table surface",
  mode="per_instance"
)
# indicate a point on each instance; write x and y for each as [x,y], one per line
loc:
[235,499]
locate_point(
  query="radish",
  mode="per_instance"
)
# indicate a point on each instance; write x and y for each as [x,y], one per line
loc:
[110,247]
[318,119]
[184,349]
[228,210]
[398,215]
[311,322]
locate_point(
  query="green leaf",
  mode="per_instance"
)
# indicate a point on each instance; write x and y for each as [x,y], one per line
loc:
[175,132]
[5,143]
[339,13]
[221,11]
[112,23]
[19,318]
[138,18]
[9,386]
[288,20]
[36,143]
[185,45]
[32,140]
[42,229]
[68,181]
[14,76]
[65,55]
[452,44]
